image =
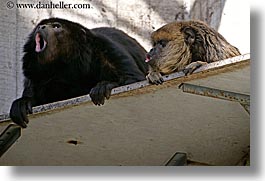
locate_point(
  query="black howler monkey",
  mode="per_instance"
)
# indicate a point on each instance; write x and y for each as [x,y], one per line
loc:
[64,59]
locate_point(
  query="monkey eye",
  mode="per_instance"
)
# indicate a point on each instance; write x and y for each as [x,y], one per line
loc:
[163,43]
[56,25]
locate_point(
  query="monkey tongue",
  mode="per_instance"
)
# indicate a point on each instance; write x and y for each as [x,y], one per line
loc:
[147,58]
[40,43]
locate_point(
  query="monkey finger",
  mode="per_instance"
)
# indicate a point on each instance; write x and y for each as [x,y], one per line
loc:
[20,120]
[185,71]
[94,95]
[25,118]
[156,82]
[17,115]
[29,107]
[109,87]
[93,100]
[100,94]
[102,91]
[161,80]
[102,100]
[107,93]
[23,111]
[150,79]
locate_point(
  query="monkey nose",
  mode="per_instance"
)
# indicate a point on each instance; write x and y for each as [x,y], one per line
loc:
[42,26]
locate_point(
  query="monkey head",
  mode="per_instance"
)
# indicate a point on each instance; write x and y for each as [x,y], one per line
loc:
[168,47]
[177,44]
[54,39]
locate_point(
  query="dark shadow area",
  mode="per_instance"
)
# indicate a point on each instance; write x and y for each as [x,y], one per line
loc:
[161,172]
[256,90]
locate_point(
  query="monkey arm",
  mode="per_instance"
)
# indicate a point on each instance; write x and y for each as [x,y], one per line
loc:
[23,106]
[117,67]
[189,69]
[28,89]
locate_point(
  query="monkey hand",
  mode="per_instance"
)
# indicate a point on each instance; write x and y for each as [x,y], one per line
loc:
[155,78]
[101,91]
[189,69]
[19,110]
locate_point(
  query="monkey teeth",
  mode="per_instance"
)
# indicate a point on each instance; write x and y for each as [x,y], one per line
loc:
[40,43]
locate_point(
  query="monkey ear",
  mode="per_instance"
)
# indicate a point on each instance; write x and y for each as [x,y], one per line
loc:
[86,34]
[189,35]
[83,31]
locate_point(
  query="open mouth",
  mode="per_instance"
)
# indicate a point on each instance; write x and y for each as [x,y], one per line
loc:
[40,43]
[148,58]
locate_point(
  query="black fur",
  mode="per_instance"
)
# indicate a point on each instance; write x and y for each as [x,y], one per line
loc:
[76,61]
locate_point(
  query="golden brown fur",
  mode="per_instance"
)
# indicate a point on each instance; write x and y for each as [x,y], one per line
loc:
[187,42]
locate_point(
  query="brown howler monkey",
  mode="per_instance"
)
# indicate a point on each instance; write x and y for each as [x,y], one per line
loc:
[185,45]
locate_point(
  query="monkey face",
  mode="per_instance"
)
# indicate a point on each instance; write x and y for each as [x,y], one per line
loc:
[53,40]
[47,33]
[49,41]
[154,54]
[168,46]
